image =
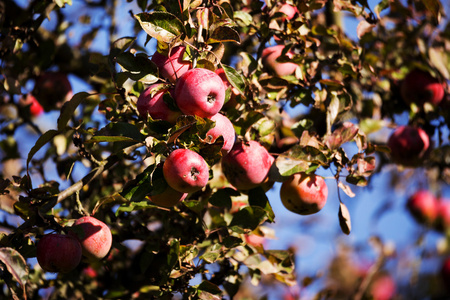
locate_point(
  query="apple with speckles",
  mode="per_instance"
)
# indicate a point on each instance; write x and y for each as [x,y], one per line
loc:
[172,66]
[151,102]
[94,236]
[58,252]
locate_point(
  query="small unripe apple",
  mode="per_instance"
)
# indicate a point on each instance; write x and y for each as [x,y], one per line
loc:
[168,198]
[95,237]
[224,128]
[420,87]
[173,66]
[424,206]
[58,252]
[151,102]
[247,165]
[408,145]
[186,171]
[200,92]
[52,89]
[304,194]
[269,59]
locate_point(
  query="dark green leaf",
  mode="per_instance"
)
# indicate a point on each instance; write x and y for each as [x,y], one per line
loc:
[248,217]
[68,109]
[224,34]
[234,78]
[257,197]
[43,139]
[163,26]
[222,197]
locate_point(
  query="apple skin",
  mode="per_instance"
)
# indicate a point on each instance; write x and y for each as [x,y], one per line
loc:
[169,198]
[304,194]
[383,288]
[224,128]
[173,66]
[420,87]
[185,171]
[269,59]
[247,165]
[58,252]
[408,145]
[94,236]
[200,92]
[423,206]
[52,89]
[151,102]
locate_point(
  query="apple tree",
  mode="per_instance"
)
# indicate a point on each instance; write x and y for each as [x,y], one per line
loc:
[160,129]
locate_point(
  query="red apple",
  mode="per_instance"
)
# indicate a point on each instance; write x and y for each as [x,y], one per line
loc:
[423,206]
[408,145]
[95,237]
[269,59]
[200,92]
[168,198]
[58,252]
[172,66]
[383,288]
[52,89]
[234,91]
[304,194]
[36,108]
[185,171]
[151,102]
[445,273]
[420,87]
[247,165]
[224,128]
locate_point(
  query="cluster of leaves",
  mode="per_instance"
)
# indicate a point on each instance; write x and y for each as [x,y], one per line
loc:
[198,249]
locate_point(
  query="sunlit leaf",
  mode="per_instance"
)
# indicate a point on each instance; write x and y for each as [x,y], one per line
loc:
[163,26]
[344,219]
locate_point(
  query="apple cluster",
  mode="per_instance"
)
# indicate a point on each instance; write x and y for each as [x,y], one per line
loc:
[430,210]
[88,237]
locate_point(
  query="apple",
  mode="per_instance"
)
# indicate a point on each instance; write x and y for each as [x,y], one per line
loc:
[234,91]
[151,102]
[52,89]
[94,236]
[172,66]
[224,128]
[269,58]
[408,145]
[383,288]
[254,240]
[200,92]
[419,87]
[423,206]
[35,107]
[445,273]
[58,252]
[304,194]
[247,165]
[168,198]
[185,171]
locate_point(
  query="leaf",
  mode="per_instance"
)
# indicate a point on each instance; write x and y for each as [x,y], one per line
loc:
[332,112]
[434,6]
[257,197]
[68,109]
[224,34]
[16,266]
[248,217]
[118,131]
[163,26]
[43,139]
[363,28]
[234,78]
[345,133]
[138,188]
[209,291]
[222,197]
[344,219]
[287,166]
[347,190]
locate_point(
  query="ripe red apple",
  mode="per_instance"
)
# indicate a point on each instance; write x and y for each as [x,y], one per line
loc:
[58,252]
[172,66]
[234,91]
[269,59]
[383,288]
[445,274]
[52,89]
[408,145]
[200,92]
[420,87]
[151,102]
[186,171]
[168,198]
[224,128]
[423,206]
[304,194]
[247,165]
[36,108]
[95,237]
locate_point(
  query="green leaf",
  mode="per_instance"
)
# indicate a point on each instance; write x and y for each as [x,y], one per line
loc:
[208,288]
[16,266]
[121,45]
[222,197]
[248,217]
[42,140]
[163,26]
[234,78]
[118,131]
[257,197]
[68,109]
[224,34]
[138,188]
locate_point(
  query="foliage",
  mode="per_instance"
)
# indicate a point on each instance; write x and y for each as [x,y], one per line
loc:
[345,90]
